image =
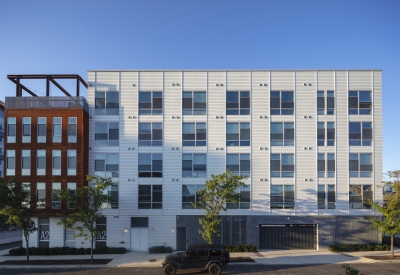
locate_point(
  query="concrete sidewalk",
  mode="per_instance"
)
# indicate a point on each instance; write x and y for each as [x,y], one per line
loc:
[267,257]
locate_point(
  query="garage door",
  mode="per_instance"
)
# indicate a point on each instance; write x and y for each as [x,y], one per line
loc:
[288,236]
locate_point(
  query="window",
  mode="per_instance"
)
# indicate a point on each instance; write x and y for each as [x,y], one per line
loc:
[326,137]
[26,186]
[26,129]
[194,134]
[41,162]
[326,106]
[360,133]
[360,103]
[106,134]
[238,164]
[150,134]
[282,103]
[359,196]
[41,195]
[282,134]
[244,198]
[26,162]
[56,163]
[282,165]
[72,129]
[106,165]
[107,103]
[326,196]
[10,163]
[194,166]
[194,103]
[113,197]
[360,165]
[150,197]
[150,103]
[11,129]
[326,168]
[236,137]
[282,196]
[150,165]
[41,131]
[238,103]
[57,132]
[55,195]
[71,186]
[71,162]
[189,195]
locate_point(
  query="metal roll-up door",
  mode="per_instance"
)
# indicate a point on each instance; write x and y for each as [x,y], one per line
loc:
[288,236]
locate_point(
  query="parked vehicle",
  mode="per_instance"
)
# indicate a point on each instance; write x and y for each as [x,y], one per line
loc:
[206,257]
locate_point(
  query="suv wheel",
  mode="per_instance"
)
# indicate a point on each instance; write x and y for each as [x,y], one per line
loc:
[170,269]
[214,269]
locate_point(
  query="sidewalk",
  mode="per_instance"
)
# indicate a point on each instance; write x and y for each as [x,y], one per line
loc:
[267,257]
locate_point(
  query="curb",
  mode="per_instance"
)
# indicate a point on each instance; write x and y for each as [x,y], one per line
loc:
[52,266]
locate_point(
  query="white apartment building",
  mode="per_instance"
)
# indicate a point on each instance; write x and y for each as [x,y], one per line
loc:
[310,142]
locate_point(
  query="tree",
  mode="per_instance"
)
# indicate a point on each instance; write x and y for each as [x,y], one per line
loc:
[213,198]
[87,202]
[17,207]
[389,222]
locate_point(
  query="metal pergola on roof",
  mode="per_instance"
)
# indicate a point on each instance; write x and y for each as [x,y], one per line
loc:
[49,78]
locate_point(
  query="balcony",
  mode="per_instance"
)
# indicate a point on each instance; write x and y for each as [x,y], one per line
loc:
[47,102]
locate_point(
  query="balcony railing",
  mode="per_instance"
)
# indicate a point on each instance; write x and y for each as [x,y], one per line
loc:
[47,102]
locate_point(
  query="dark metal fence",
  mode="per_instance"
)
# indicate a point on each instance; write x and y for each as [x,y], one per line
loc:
[44,102]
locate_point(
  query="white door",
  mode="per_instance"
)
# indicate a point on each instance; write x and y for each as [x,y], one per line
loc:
[139,239]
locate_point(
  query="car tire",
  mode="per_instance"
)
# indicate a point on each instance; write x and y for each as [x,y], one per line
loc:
[170,269]
[214,269]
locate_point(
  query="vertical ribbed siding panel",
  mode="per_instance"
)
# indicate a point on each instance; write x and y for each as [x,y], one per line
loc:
[162,231]
[360,80]
[260,139]
[377,129]
[90,92]
[282,81]
[306,135]
[194,81]
[342,156]
[128,138]
[151,81]
[115,231]
[172,158]
[216,126]
[56,233]
[238,81]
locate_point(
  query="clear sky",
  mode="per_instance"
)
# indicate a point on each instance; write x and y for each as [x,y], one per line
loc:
[58,37]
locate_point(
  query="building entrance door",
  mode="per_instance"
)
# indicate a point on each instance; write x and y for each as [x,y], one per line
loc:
[139,239]
[181,238]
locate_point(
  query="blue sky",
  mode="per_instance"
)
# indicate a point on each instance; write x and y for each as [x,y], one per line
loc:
[57,37]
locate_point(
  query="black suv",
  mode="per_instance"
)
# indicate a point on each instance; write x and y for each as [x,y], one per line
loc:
[207,257]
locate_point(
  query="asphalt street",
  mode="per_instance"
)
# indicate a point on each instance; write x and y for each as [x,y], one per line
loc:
[335,269]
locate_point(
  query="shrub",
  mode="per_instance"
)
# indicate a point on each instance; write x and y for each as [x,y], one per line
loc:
[359,247]
[160,249]
[241,248]
[65,250]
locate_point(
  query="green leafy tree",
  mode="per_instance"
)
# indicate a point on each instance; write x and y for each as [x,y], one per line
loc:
[219,190]
[87,202]
[17,208]
[389,222]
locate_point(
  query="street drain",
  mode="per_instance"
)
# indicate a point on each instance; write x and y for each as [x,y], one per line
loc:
[152,260]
